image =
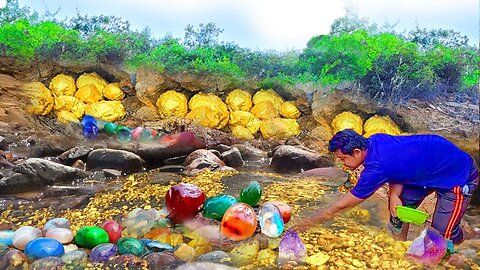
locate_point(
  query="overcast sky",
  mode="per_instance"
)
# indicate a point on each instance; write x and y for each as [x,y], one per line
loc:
[273,24]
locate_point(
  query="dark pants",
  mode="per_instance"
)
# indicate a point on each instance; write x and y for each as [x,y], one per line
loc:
[450,208]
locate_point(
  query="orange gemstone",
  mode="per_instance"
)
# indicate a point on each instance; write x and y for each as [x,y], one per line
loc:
[239,222]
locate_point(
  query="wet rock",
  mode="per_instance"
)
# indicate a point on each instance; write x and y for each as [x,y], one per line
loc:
[124,161]
[45,150]
[216,152]
[69,156]
[3,143]
[175,160]
[249,152]
[222,148]
[202,160]
[164,178]
[79,164]
[99,176]
[35,173]
[172,168]
[289,158]
[4,163]
[155,154]
[233,158]
[204,266]
[325,173]
[112,173]
[203,155]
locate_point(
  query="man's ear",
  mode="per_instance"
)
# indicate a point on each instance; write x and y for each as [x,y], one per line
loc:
[356,152]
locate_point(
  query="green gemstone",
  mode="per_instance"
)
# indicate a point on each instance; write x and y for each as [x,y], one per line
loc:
[128,245]
[251,194]
[215,207]
[91,236]
[110,128]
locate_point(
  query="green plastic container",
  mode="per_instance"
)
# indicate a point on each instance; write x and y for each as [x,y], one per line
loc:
[411,215]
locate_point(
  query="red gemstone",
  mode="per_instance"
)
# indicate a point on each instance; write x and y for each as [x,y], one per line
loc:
[113,229]
[183,202]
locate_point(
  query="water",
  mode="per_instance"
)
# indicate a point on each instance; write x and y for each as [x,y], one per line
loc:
[87,197]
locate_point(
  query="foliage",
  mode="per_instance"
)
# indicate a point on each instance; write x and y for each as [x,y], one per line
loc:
[13,12]
[205,36]
[90,26]
[430,38]
[339,58]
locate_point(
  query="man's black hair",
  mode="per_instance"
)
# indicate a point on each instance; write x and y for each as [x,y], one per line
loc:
[347,140]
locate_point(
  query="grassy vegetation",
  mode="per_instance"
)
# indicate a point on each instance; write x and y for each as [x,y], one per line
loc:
[388,65]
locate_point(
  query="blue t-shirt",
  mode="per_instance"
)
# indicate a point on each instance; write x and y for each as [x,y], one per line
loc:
[419,160]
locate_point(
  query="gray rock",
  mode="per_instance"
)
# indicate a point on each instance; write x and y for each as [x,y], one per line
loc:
[200,160]
[288,158]
[35,173]
[45,150]
[222,148]
[71,155]
[216,152]
[111,173]
[328,173]
[3,143]
[172,168]
[99,176]
[124,161]
[250,153]
[233,158]
[156,154]
[217,256]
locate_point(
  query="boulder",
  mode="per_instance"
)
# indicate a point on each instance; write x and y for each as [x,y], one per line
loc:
[288,158]
[37,173]
[124,161]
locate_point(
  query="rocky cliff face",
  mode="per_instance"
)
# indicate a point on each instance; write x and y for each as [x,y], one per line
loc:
[454,118]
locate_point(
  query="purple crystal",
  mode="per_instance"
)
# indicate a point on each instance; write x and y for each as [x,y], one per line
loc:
[428,249]
[103,252]
[291,248]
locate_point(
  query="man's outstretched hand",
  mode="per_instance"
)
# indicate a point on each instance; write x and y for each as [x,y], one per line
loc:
[302,224]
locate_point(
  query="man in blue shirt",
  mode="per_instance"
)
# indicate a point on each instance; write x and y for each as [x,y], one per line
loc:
[414,167]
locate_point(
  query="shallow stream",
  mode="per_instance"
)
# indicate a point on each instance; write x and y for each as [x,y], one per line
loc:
[355,239]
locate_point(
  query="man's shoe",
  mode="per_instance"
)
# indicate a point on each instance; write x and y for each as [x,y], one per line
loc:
[395,225]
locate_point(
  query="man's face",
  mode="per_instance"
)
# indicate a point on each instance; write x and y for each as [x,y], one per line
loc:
[351,161]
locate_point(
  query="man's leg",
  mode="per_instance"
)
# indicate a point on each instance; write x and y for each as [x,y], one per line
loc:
[411,196]
[451,207]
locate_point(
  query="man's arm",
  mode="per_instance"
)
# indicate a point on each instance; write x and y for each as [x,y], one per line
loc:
[321,215]
[394,198]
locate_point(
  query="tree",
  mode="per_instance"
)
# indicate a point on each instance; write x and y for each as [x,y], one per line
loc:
[206,35]
[429,38]
[89,26]
[336,58]
[351,23]
[13,12]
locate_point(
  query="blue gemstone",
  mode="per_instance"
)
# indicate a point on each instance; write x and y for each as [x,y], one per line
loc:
[43,247]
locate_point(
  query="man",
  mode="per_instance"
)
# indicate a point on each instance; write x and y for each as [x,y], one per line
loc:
[414,167]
